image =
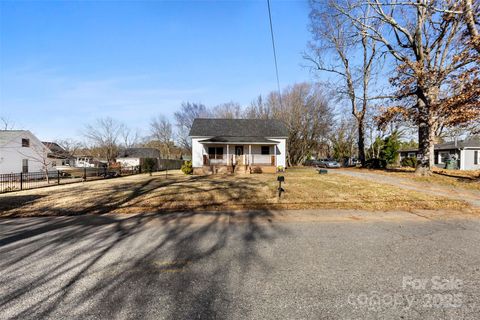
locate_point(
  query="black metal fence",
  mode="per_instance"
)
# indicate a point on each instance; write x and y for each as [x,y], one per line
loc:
[22,181]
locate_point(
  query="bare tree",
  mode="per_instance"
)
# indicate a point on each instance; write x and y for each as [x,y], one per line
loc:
[129,137]
[70,148]
[104,134]
[229,110]
[336,48]
[39,154]
[258,109]
[161,131]
[305,112]
[6,123]
[343,139]
[471,16]
[184,120]
[436,74]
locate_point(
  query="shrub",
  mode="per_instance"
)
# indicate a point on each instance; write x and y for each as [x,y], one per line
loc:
[409,162]
[390,148]
[187,167]
[376,163]
[149,165]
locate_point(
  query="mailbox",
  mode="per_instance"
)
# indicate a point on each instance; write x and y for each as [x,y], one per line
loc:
[281,179]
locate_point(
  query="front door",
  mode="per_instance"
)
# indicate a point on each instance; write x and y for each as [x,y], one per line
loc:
[239,154]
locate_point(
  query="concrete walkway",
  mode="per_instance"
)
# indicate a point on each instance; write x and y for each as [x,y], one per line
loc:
[451,192]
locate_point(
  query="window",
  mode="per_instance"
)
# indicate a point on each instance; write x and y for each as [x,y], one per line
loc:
[475,157]
[215,153]
[444,156]
[25,165]
[211,153]
[265,150]
[412,155]
[219,153]
[25,142]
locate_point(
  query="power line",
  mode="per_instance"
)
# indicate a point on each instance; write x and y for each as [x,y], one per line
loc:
[274,52]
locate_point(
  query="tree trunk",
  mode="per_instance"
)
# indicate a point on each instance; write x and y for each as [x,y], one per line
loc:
[425,141]
[471,26]
[46,175]
[361,142]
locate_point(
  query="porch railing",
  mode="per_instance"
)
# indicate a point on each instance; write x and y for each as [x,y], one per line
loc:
[253,159]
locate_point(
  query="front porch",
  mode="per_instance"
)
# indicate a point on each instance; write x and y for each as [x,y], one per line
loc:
[239,157]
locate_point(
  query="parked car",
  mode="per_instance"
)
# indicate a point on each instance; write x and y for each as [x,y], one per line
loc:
[313,163]
[329,164]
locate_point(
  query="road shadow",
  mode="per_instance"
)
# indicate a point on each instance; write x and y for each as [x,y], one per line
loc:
[14,202]
[157,265]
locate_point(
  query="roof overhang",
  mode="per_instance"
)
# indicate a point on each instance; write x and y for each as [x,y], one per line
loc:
[238,140]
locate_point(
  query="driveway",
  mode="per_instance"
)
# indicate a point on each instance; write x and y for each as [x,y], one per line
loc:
[454,193]
[250,265]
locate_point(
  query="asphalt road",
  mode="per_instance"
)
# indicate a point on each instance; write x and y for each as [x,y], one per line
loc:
[345,265]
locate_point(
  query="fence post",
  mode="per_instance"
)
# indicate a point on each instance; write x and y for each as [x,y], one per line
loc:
[58,177]
[84,173]
[21,180]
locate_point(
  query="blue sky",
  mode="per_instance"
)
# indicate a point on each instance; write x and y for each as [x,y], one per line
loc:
[65,63]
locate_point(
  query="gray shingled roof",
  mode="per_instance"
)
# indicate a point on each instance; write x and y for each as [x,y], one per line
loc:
[56,151]
[472,143]
[239,139]
[238,128]
[460,144]
[139,153]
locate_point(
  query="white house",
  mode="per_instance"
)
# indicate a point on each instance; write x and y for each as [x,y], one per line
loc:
[238,145]
[134,157]
[21,151]
[465,153]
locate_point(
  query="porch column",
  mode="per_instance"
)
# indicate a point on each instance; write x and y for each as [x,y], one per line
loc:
[275,155]
[249,154]
[228,155]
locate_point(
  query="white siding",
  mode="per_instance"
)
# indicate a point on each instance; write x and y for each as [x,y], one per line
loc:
[197,152]
[12,153]
[129,162]
[281,151]
[468,160]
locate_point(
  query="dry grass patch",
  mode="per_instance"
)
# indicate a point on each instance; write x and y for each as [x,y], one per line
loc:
[305,188]
[468,179]
[344,192]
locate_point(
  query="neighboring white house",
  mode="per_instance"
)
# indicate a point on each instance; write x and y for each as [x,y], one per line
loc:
[21,151]
[134,157]
[465,154]
[232,145]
